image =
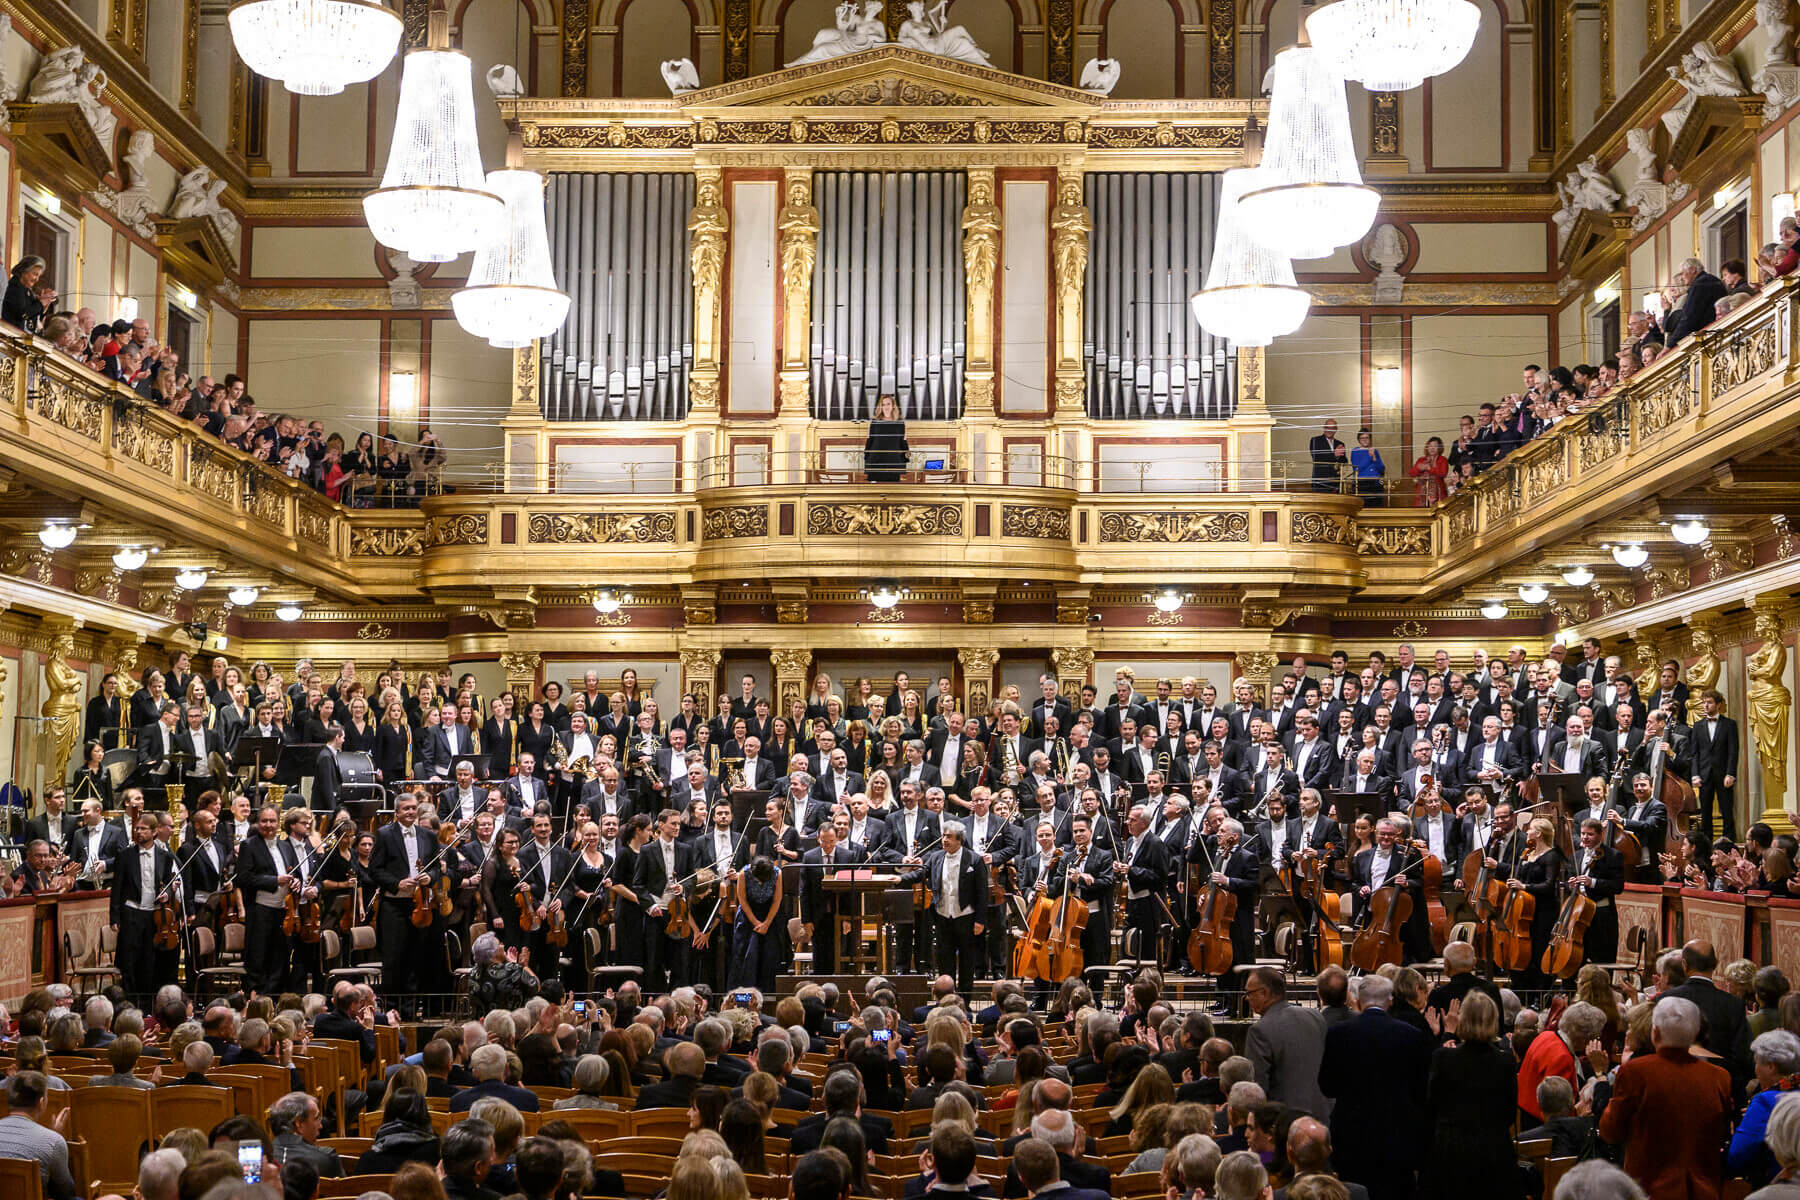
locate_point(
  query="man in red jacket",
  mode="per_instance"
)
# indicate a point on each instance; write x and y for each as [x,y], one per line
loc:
[1671,1111]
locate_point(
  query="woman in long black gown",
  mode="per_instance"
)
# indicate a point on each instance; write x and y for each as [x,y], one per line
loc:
[583,904]
[499,885]
[778,840]
[628,918]
[537,736]
[1472,1096]
[759,938]
[884,453]
[1540,873]
[393,746]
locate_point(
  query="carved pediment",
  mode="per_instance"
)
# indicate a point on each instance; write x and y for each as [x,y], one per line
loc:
[889,76]
[194,248]
[1593,233]
[1714,120]
[60,142]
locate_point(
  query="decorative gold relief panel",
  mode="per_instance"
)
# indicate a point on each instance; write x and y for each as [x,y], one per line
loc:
[735,521]
[1033,521]
[1315,527]
[1174,527]
[886,520]
[611,528]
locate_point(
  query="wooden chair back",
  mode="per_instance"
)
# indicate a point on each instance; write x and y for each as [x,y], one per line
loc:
[660,1122]
[115,1122]
[21,1179]
[179,1106]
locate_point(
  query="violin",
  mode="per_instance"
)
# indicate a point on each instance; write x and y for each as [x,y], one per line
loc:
[681,918]
[169,920]
[1562,957]
[422,907]
[528,918]
[1379,941]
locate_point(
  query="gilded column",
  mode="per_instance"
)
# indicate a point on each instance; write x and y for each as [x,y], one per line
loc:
[1385,155]
[1771,707]
[190,55]
[978,665]
[790,675]
[981,258]
[521,667]
[1564,97]
[1070,224]
[799,229]
[575,47]
[1257,666]
[699,673]
[1607,91]
[708,226]
[1072,665]
[1221,45]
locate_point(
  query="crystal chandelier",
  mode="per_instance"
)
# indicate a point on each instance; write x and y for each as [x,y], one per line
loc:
[432,203]
[1310,199]
[1250,297]
[1394,45]
[315,47]
[511,299]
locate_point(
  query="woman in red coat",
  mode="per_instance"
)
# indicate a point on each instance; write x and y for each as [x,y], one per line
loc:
[1428,471]
[1560,1051]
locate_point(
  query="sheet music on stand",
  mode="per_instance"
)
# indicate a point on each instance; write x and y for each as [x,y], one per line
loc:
[1373,805]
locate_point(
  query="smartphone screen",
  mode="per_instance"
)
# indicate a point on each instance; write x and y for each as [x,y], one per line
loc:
[250,1158]
[882,1035]
[581,1008]
[842,1025]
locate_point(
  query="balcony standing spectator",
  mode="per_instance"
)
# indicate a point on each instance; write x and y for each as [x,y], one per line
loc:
[21,306]
[428,470]
[1788,240]
[1366,460]
[1428,471]
[1327,458]
[884,453]
[1700,292]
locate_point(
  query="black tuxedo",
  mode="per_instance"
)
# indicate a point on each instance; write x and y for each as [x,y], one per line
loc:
[1715,755]
[955,935]
[1601,943]
[327,780]
[817,907]
[666,957]
[1316,771]
[1400,860]
[112,841]
[825,788]
[873,843]
[266,947]
[1593,756]
[525,795]
[1504,756]
[1096,940]
[405,950]
[137,955]
[38,828]
[1065,717]
[927,829]
[1264,782]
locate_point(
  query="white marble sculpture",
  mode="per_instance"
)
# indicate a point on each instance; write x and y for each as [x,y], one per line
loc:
[1387,250]
[1703,72]
[680,75]
[9,91]
[1591,188]
[1100,75]
[403,288]
[1777,79]
[133,204]
[503,81]
[1564,216]
[859,26]
[66,77]
[929,31]
[196,195]
[1648,194]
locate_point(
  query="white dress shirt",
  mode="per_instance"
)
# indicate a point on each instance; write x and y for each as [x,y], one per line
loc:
[949,900]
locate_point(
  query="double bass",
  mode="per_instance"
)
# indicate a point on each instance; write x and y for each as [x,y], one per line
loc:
[1209,944]
[1329,945]
[1512,937]
[1562,957]
[1051,946]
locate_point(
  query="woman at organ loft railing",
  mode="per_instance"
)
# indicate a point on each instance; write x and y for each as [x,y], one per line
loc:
[884,453]
[1428,471]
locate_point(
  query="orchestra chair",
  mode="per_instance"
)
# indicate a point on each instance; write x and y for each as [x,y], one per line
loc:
[21,1179]
[646,1185]
[358,968]
[1554,1169]
[659,1122]
[179,1106]
[123,1116]
[442,1119]
[215,975]
[244,1090]
[789,1116]
[1113,1145]
[351,1186]
[89,964]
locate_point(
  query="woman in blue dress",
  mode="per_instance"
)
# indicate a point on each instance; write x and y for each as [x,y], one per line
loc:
[759,939]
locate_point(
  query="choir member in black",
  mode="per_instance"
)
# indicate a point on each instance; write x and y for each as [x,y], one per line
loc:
[1146,863]
[555,711]
[545,865]
[583,902]
[759,947]
[90,782]
[264,872]
[1540,872]
[536,735]
[662,867]
[628,914]
[816,907]
[1091,869]
[1395,865]
[778,840]
[498,733]
[1599,872]
[141,884]
[1714,743]
[402,863]
[359,727]
[393,746]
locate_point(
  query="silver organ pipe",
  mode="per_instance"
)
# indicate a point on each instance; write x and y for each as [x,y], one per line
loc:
[1151,244]
[888,293]
[619,245]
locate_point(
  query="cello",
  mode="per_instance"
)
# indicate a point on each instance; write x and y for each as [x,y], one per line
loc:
[1512,941]
[1388,911]
[1028,950]
[1209,945]
[1562,957]
[1328,911]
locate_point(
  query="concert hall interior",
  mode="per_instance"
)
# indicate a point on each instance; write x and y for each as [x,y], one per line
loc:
[857,538]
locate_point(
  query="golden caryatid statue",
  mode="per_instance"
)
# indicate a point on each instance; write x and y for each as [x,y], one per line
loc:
[1703,674]
[1649,670]
[1070,225]
[798,222]
[62,707]
[707,225]
[1771,706]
